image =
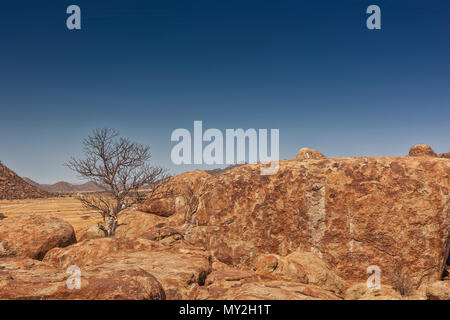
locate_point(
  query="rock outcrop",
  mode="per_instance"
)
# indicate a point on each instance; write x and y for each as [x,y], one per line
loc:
[422,150]
[24,278]
[360,291]
[438,290]
[175,195]
[33,235]
[179,268]
[134,224]
[303,267]
[228,283]
[65,187]
[309,231]
[91,232]
[445,155]
[309,154]
[14,187]
[392,212]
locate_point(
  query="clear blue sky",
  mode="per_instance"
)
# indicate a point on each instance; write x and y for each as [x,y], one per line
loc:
[309,68]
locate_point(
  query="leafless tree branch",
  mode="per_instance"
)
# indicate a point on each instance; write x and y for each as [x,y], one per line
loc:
[121,169]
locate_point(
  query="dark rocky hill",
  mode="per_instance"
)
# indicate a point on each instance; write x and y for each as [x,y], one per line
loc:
[14,187]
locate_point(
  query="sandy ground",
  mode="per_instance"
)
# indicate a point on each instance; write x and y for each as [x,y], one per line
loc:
[67,208]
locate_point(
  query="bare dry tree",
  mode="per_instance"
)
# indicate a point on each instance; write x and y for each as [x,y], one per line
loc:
[121,169]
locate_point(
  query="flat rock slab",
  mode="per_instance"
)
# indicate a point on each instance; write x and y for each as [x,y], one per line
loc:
[24,278]
[392,212]
[253,289]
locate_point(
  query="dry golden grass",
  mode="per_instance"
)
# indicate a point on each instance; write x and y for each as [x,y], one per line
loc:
[66,208]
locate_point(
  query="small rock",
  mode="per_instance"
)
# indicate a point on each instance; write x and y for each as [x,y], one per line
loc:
[309,154]
[421,150]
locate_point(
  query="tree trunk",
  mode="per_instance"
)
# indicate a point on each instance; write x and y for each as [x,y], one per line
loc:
[112,224]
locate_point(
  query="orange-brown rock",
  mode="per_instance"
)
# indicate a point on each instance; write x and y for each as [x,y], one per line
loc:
[262,289]
[438,290]
[179,268]
[173,196]
[360,291]
[134,224]
[303,267]
[33,235]
[445,155]
[392,212]
[223,272]
[420,150]
[91,232]
[237,283]
[309,154]
[24,278]
[266,290]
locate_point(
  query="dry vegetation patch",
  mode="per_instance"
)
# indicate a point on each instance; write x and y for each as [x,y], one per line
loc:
[66,208]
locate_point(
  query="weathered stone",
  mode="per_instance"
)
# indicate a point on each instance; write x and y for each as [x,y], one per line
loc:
[445,155]
[24,278]
[92,232]
[353,212]
[438,290]
[179,268]
[134,224]
[303,267]
[360,291]
[223,272]
[230,283]
[263,290]
[309,154]
[173,196]
[33,235]
[14,187]
[420,150]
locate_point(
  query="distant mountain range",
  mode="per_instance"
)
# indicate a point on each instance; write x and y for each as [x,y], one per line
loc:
[64,187]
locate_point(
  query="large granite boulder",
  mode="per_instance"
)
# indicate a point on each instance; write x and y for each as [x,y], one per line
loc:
[24,278]
[33,235]
[392,212]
